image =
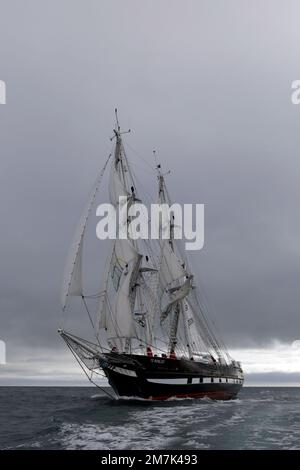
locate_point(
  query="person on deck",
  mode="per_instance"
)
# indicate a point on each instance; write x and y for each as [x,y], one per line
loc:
[149,352]
[172,354]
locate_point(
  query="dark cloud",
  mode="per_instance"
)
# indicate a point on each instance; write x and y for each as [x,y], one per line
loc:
[208,86]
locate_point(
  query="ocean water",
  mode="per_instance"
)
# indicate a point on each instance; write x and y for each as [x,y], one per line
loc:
[85,418]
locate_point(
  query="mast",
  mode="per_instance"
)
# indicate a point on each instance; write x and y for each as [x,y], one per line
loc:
[176,313]
[174,329]
[175,280]
[124,281]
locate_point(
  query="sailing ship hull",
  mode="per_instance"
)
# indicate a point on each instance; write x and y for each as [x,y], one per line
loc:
[161,379]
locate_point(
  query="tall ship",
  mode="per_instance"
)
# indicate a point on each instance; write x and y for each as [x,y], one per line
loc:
[151,335]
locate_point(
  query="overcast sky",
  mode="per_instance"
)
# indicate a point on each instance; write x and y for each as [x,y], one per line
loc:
[207,84]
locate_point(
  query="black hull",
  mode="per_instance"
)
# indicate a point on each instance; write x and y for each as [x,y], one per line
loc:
[161,379]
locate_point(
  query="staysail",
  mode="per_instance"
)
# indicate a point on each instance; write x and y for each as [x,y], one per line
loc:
[72,280]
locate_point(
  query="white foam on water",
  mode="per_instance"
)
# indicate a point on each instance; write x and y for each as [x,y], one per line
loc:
[196,445]
[152,428]
[92,437]
[250,423]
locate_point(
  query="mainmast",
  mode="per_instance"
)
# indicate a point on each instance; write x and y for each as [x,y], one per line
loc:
[174,277]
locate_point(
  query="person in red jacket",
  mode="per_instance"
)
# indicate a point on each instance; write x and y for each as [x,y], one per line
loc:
[172,354]
[149,352]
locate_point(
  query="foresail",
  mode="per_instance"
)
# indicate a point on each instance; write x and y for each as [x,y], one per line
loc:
[123,305]
[116,315]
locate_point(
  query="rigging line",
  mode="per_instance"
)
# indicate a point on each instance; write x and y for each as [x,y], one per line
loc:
[91,320]
[63,319]
[153,346]
[148,200]
[140,167]
[124,169]
[145,191]
[211,314]
[207,323]
[207,312]
[139,155]
[94,296]
[180,344]
[133,180]
[89,378]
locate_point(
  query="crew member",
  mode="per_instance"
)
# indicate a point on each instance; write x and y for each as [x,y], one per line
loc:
[149,352]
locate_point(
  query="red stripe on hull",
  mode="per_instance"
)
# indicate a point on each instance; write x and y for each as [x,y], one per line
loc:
[215,395]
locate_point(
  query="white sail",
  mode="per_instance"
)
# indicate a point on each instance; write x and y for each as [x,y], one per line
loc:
[171,268]
[72,280]
[193,334]
[117,182]
[123,305]
[116,315]
[175,297]
[104,307]
[116,309]
[117,188]
[76,284]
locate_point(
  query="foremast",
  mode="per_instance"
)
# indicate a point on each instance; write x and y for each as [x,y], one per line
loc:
[122,310]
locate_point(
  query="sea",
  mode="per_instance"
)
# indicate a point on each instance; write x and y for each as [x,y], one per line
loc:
[86,418]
